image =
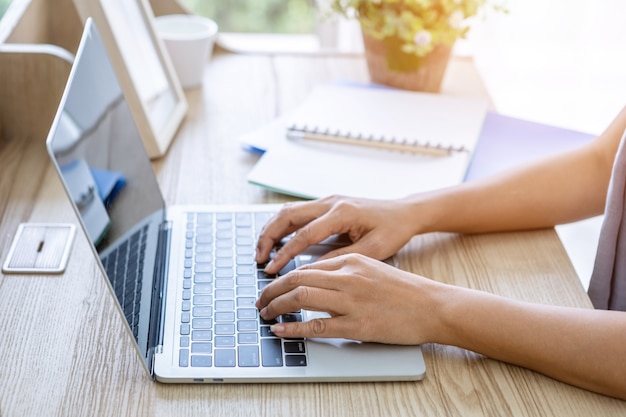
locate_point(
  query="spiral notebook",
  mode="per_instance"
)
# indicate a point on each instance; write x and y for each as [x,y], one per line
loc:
[368,142]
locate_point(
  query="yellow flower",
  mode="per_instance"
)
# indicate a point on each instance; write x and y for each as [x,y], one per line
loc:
[456,19]
[419,24]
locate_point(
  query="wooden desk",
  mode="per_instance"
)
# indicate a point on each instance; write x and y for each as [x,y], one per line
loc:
[62,345]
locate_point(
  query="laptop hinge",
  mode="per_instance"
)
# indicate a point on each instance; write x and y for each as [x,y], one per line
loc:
[157,313]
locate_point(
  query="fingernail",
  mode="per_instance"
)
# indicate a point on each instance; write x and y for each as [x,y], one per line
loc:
[277,328]
[269,265]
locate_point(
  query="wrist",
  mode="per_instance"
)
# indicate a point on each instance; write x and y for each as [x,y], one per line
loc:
[424,211]
[454,314]
[433,314]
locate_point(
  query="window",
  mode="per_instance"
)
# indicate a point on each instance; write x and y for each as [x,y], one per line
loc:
[4,5]
[266,16]
[248,16]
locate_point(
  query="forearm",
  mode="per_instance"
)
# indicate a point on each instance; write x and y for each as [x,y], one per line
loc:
[583,347]
[560,189]
[536,196]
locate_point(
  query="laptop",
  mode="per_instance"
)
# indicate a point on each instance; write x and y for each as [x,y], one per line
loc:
[184,277]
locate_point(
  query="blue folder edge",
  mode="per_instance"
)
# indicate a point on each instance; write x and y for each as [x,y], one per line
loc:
[507,141]
[109,183]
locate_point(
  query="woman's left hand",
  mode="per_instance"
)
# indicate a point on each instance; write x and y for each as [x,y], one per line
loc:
[366,299]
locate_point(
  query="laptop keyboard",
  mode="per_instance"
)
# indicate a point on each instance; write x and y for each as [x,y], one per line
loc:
[220,325]
[124,266]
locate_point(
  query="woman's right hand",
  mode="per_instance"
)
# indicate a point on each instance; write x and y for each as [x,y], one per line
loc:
[376,228]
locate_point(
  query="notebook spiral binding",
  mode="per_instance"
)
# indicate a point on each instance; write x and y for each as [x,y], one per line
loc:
[382,142]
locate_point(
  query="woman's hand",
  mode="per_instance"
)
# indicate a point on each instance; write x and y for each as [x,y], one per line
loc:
[366,299]
[376,228]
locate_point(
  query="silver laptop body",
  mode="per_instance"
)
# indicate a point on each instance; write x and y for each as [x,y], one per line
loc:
[184,278]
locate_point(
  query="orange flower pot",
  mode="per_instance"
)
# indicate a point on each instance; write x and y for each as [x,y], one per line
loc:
[389,65]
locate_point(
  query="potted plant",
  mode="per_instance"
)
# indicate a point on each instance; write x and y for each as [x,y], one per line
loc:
[408,42]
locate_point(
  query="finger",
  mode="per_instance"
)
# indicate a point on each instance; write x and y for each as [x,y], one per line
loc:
[314,232]
[289,219]
[323,328]
[332,263]
[307,298]
[295,290]
[369,246]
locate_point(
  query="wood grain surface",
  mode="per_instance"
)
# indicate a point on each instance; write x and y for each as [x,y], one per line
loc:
[63,347]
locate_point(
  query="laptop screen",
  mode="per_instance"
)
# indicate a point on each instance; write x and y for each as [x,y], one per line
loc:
[97,149]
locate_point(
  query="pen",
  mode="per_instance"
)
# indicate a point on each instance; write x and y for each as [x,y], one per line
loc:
[295,132]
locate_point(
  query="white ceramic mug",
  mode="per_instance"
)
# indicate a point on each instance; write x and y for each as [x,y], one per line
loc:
[189,41]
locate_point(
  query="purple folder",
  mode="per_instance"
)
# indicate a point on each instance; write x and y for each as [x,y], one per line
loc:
[507,141]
